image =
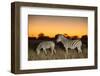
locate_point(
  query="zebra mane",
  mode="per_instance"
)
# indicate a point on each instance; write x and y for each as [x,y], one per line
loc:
[63,38]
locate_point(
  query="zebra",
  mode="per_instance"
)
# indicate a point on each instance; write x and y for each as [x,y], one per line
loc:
[46,45]
[68,43]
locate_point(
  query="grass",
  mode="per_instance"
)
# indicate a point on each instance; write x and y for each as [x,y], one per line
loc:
[60,54]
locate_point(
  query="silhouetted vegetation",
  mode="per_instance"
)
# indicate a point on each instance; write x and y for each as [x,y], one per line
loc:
[33,41]
[75,37]
[84,40]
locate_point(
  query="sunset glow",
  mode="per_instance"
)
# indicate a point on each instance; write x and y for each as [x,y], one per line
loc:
[52,25]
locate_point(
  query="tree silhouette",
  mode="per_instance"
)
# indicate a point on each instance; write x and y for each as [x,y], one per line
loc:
[84,39]
[41,35]
[75,37]
[65,34]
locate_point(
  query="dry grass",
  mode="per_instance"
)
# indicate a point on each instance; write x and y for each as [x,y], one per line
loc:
[60,54]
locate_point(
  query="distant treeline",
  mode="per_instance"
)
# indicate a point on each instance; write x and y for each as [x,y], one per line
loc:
[34,41]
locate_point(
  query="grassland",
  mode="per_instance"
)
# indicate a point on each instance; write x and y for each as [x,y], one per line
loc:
[60,54]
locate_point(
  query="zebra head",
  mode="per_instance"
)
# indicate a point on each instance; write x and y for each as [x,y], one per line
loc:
[60,37]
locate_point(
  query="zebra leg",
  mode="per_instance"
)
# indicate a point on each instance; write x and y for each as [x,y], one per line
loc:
[45,51]
[66,50]
[52,51]
[79,49]
[38,52]
[80,52]
[66,54]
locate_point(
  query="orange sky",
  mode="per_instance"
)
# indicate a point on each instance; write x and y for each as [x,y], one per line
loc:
[52,25]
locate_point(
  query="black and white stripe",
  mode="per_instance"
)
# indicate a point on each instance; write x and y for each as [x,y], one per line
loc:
[46,45]
[72,44]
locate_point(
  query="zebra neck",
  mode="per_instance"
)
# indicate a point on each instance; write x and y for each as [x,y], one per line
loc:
[64,40]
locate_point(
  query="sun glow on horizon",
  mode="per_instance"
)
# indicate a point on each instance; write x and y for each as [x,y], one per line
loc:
[53,25]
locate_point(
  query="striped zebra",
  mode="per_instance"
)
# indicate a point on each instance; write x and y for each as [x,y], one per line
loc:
[72,44]
[46,45]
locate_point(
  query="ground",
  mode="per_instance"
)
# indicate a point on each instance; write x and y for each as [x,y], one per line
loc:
[60,54]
